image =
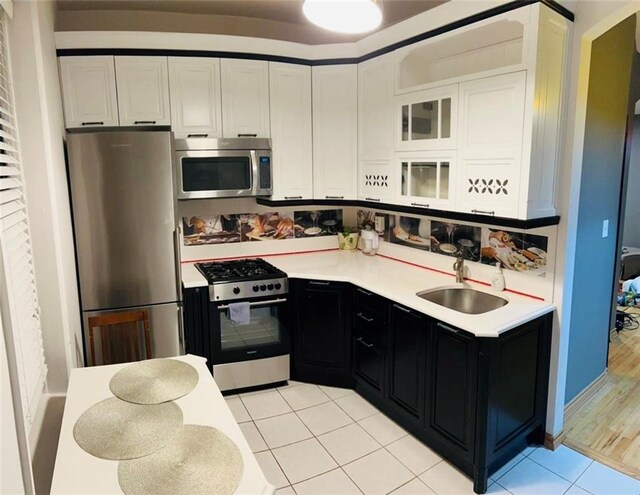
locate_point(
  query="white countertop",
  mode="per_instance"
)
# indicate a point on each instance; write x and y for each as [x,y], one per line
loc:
[399,282]
[78,472]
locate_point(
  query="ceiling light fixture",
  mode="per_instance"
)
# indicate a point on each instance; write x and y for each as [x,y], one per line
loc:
[344,16]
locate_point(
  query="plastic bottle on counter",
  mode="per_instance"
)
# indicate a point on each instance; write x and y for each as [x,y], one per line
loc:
[497,281]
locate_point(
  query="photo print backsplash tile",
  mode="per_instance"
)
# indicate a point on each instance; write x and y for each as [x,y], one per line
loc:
[516,251]
[380,222]
[254,227]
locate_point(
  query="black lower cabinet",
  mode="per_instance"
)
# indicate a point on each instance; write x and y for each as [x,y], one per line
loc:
[451,392]
[369,343]
[321,339]
[408,332]
[197,335]
[476,401]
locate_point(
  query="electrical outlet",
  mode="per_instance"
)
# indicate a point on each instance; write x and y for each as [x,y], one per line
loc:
[605,228]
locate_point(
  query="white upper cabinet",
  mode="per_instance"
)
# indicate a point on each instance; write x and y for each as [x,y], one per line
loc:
[375,108]
[196,102]
[427,120]
[427,179]
[335,132]
[143,90]
[245,98]
[492,112]
[291,139]
[89,91]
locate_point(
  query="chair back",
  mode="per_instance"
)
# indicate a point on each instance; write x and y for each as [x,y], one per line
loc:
[120,337]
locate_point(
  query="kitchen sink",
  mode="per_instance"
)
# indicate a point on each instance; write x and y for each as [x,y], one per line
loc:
[464,300]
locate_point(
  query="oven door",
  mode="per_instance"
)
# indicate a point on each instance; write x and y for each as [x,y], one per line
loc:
[266,335]
[216,174]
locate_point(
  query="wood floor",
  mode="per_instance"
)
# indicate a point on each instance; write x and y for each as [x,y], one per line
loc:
[607,427]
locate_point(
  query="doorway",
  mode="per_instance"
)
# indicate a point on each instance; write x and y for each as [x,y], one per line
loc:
[605,424]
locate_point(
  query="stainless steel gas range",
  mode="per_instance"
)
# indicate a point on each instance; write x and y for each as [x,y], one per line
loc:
[248,317]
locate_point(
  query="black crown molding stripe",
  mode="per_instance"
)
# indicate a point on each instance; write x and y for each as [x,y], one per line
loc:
[513,223]
[501,9]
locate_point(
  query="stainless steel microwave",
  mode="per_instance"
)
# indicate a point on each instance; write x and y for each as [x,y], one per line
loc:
[222,168]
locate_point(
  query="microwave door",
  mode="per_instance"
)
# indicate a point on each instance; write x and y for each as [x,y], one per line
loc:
[215,174]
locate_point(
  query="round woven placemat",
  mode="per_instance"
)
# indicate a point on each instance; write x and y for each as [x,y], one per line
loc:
[199,460]
[154,381]
[114,429]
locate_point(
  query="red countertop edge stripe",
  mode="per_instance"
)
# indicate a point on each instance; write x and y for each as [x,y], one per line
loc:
[186,262]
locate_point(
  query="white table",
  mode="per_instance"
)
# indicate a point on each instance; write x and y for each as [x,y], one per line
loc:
[78,472]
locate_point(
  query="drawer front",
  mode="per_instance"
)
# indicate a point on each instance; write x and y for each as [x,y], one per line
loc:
[368,320]
[368,299]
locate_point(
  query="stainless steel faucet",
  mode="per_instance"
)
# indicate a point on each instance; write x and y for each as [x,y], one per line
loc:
[458,266]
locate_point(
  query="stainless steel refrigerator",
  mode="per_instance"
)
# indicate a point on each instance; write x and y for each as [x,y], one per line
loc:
[125,230]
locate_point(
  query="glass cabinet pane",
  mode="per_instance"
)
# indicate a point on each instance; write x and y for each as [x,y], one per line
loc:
[405,122]
[445,124]
[405,178]
[444,180]
[424,120]
[424,179]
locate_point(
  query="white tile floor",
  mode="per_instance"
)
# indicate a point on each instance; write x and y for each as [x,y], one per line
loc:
[316,440]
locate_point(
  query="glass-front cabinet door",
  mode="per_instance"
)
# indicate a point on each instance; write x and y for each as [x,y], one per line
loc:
[426,120]
[426,179]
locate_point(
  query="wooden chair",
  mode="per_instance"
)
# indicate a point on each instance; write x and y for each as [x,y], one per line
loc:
[120,336]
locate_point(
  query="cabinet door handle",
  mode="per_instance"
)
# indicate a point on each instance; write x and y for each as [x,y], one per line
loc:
[315,282]
[372,199]
[363,317]
[197,135]
[401,308]
[483,212]
[359,339]
[93,123]
[148,122]
[362,291]
[421,205]
[248,135]
[447,328]
[293,197]
[334,197]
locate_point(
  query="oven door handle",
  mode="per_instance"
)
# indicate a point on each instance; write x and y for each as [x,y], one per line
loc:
[259,303]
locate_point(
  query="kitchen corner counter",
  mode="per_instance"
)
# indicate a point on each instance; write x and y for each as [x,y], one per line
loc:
[399,282]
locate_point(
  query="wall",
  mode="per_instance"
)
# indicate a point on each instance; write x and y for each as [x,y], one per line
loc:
[39,113]
[595,257]
[631,235]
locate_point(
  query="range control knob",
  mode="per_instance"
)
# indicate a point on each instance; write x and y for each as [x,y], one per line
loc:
[236,290]
[263,287]
[270,286]
[278,286]
[256,288]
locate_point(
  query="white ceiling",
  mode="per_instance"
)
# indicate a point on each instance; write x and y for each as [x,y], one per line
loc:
[275,19]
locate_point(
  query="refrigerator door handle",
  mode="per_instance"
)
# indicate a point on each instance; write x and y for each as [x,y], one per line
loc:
[181,342]
[178,255]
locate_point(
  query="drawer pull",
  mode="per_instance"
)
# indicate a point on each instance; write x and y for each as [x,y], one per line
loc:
[293,197]
[421,205]
[247,135]
[483,212]
[363,317]
[372,199]
[148,122]
[447,328]
[334,197]
[314,282]
[362,291]
[93,123]
[406,310]
[197,135]
[369,346]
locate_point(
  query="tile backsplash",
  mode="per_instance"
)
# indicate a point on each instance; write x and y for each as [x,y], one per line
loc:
[266,226]
[515,251]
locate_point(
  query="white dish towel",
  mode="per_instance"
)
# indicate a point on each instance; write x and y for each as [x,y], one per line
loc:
[240,313]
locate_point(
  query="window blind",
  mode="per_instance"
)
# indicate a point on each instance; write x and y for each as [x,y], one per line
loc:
[15,245]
